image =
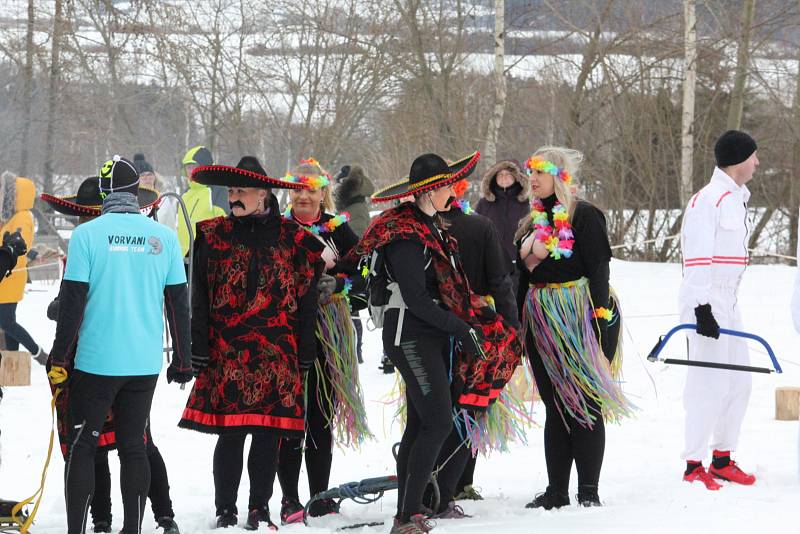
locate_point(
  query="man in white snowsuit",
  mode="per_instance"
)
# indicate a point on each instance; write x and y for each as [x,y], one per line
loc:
[714,240]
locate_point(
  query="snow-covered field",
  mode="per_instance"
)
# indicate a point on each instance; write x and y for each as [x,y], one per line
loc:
[641,483]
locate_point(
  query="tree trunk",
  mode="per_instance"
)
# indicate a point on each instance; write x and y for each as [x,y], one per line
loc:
[689,83]
[794,193]
[742,63]
[52,97]
[496,120]
[28,96]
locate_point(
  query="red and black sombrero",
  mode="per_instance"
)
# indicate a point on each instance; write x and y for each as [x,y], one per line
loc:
[89,203]
[428,172]
[248,173]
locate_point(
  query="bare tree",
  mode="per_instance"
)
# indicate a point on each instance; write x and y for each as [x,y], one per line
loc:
[28,91]
[496,120]
[742,66]
[52,95]
[689,82]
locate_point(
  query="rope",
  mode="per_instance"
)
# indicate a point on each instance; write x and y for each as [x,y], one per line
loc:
[24,524]
[33,268]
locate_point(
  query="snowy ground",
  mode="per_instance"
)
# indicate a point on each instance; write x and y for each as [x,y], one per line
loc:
[641,483]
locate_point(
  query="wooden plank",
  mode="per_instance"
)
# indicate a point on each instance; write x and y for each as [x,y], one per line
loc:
[15,368]
[787,403]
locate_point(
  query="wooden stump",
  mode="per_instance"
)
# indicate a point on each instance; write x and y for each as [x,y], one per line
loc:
[15,368]
[787,404]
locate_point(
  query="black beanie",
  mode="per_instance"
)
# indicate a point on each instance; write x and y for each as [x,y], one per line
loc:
[733,147]
[119,175]
[141,164]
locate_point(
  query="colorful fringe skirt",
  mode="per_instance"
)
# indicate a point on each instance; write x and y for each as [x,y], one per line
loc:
[560,318]
[343,399]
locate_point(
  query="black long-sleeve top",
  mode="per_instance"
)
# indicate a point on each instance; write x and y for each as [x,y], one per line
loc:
[484,259]
[260,231]
[409,266]
[591,254]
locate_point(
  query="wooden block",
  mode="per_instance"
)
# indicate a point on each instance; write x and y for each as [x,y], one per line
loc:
[787,403]
[15,368]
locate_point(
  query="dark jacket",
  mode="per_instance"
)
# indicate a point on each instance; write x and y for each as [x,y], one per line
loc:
[505,207]
[352,195]
[485,261]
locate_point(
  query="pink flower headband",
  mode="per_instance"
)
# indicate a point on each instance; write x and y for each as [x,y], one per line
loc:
[537,163]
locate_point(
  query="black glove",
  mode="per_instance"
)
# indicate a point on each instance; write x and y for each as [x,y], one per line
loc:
[14,243]
[706,324]
[470,343]
[199,362]
[52,310]
[175,375]
[326,286]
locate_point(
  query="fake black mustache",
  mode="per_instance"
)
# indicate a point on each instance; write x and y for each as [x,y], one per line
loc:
[450,200]
[236,203]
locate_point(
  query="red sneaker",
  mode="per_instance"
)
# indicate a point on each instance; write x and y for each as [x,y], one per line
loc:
[732,473]
[702,475]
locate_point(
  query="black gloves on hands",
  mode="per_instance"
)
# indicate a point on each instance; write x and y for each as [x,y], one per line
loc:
[176,375]
[199,362]
[326,286]
[15,244]
[706,324]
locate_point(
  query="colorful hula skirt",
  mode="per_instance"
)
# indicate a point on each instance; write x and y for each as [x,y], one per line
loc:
[560,317]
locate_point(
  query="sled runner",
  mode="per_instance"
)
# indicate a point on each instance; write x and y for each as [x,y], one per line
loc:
[662,342]
[9,520]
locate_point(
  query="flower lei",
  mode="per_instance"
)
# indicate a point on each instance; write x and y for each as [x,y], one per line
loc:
[463,205]
[537,163]
[558,241]
[603,313]
[318,229]
[348,284]
[315,182]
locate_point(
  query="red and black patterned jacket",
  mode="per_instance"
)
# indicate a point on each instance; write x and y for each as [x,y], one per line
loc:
[254,308]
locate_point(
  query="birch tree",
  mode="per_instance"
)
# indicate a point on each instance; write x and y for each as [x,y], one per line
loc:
[496,120]
[689,83]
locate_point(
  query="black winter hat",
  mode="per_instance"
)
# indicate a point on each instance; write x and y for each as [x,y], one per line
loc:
[141,164]
[733,147]
[118,175]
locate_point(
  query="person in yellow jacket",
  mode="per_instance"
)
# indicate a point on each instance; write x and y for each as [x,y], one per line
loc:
[202,202]
[16,200]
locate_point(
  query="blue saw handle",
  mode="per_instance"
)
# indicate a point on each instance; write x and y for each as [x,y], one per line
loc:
[662,342]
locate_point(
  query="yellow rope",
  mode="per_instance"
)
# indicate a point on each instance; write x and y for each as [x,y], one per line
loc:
[26,523]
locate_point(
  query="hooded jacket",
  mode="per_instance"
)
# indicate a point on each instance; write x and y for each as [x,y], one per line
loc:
[505,207]
[352,196]
[24,192]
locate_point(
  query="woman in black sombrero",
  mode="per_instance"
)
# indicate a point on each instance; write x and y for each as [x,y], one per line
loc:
[433,331]
[254,312]
[86,205]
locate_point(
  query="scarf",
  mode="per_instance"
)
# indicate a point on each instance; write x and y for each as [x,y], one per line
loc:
[120,203]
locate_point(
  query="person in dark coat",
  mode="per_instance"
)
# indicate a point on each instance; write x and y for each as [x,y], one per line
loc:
[505,191]
[488,269]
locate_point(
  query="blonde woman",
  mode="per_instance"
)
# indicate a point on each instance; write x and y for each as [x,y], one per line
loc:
[563,299]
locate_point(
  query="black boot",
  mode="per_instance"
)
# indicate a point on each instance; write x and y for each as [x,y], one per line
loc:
[549,499]
[386,365]
[259,515]
[102,526]
[168,524]
[587,496]
[227,518]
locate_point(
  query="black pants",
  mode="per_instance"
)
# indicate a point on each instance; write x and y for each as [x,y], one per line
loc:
[468,475]
[91,396]
[159,484]
[359,328]
[14,332]
[228,465]
[565,443]
[318,445]
[423,359]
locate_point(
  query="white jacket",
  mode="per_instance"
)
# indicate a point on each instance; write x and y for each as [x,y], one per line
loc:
[714,238]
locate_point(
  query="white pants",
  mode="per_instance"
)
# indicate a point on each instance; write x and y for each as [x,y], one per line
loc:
[715,400]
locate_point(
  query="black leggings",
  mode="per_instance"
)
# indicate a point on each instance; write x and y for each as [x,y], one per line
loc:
[318,445]
[564,443]
[468,475]
[159,484]
[14,332]
[90,398]
[423,359]
[228,465]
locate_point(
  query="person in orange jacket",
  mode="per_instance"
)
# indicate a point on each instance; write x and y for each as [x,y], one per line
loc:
[16,200]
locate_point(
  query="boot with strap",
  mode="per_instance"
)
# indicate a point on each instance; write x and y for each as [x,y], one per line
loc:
[416,524]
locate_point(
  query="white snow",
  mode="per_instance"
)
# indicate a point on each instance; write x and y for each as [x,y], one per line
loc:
[641,482]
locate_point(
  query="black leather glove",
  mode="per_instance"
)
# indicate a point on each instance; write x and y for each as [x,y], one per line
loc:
[326,286]
[52,310]
[175,375]
[470,343]
[199,362]
[706,324]
[14,243]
